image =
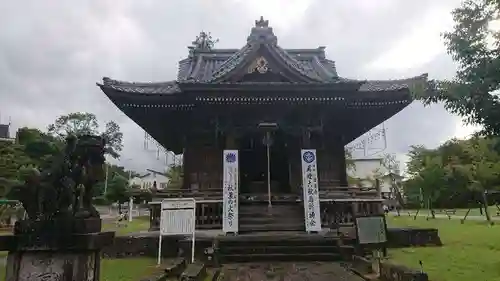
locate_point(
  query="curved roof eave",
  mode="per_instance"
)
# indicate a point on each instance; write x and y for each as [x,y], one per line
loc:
[146,88]
[173,87]
[411,83]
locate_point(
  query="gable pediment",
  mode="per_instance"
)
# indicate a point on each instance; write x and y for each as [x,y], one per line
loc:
[263,64]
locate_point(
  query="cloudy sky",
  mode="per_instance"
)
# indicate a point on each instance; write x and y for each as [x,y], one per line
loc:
[53,52]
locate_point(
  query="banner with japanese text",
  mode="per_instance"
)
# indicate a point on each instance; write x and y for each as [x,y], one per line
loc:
[230,183]
[310,190]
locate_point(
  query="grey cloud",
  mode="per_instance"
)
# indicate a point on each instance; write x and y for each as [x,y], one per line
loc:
[52,53]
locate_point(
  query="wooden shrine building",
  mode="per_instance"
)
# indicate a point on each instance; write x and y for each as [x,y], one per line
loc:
[258,97]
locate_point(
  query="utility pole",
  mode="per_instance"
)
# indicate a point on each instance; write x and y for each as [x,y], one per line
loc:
[106,179]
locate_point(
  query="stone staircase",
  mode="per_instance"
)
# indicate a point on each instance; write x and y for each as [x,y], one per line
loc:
[259,217]
[283,247]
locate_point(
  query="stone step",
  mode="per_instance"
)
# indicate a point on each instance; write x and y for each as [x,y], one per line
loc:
[284,214]
[281,257]
[273,211]
[173,268]
[241,250]
[271,227]
[271,240]
[194,272]
[269,220]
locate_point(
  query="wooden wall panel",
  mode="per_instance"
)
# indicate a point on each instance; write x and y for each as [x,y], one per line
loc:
[328,168]
[205,168]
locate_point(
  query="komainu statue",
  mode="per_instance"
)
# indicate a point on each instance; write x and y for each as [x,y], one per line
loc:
[62,194]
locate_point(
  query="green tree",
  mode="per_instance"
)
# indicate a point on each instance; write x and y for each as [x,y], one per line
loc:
[456,174]
[483,168]
[12,159]
[175,174]
[476,49]
[80,123]
[112,171]
[118,190]
[40,147]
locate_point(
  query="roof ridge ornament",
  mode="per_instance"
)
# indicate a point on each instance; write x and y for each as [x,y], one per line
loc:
[203,42]
[262,33]
[262,23]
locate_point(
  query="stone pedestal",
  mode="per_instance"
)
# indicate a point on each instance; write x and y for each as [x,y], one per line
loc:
[58,256]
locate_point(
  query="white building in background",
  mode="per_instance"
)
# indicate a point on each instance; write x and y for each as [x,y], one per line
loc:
[5,133]
[367,170]
[151,180]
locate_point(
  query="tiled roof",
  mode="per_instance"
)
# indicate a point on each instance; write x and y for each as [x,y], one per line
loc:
[209,65]
[394,85]
[213,66]
[205,65]
[172,87]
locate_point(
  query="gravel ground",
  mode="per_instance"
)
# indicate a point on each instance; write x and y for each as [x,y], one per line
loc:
[302,271]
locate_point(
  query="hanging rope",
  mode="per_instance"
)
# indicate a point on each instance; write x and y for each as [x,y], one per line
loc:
[146,140]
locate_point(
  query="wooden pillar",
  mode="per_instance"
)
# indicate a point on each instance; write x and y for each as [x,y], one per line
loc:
[231,141]
[342,172]
[306,139]
[294,147]
[355,208]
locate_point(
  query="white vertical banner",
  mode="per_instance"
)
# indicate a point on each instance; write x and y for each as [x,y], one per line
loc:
[230,187]
[310,190]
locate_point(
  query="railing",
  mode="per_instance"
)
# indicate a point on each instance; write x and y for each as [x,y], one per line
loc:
[340,212]
[209,214]
[339,206]
[212,193]
[337,192]
[336,214]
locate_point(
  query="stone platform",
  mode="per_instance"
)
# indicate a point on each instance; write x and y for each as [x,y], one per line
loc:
[39,252]
[398,237]
[214,246]
[320,271]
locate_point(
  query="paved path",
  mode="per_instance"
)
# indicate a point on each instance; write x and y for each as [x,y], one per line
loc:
[301,271]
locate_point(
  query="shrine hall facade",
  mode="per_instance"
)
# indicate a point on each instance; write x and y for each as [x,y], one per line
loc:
[270,105]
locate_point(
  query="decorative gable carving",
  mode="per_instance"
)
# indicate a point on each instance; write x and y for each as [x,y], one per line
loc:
[259,65]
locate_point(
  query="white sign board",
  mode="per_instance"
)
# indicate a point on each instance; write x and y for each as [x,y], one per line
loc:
[310,190]
[371,230]
[230,191]
[178,217]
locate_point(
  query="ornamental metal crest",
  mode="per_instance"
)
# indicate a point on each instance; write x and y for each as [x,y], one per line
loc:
[231,158]
[308,157]
[260,65]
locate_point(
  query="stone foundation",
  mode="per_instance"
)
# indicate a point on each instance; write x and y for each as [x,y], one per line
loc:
[412,237]
[147,245]
[36,253]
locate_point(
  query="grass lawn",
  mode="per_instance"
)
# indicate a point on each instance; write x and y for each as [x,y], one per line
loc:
[130,269]
[138,224]
[471,251]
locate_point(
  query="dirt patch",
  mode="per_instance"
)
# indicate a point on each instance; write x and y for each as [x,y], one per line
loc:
[299,271]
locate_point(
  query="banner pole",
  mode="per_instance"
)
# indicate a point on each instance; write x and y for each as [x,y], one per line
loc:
[194,233]
[159,249]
